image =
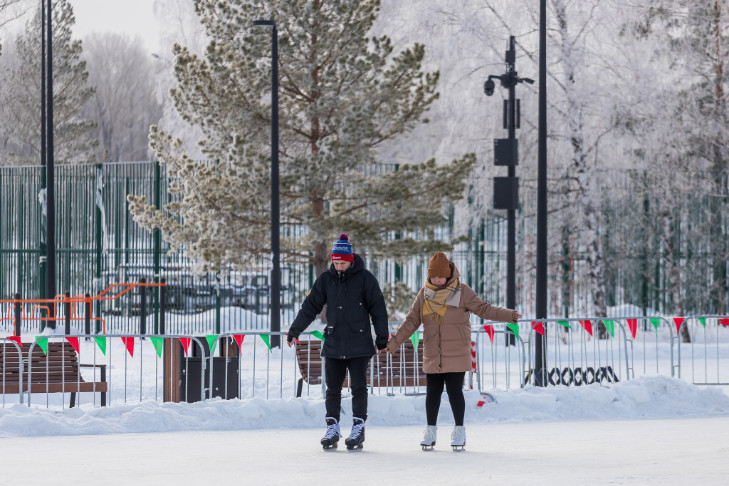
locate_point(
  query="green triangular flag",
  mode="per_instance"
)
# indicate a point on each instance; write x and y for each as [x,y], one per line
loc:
[656,322]
[212,342]
[565,324]
[158,344]
[415,339]
[610,326]
[318,335]
[101,343]
[266,339]
[43,343]
[514,328]
[702,320]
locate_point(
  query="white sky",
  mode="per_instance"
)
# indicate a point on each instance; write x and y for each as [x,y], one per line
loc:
[131,17]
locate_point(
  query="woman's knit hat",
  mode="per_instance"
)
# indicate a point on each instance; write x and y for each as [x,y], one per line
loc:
[342,249]
[439,266]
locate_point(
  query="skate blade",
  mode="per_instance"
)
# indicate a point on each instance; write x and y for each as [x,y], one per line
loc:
[459,448]
[427,447]
[330,447]
[354,447]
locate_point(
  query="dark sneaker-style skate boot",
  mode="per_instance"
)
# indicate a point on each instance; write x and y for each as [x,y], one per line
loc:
[332,435]
[357,437]
[458,437]
[429,439]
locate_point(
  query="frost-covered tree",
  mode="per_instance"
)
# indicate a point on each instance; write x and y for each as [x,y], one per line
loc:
[20,97]
[343,92]
[125,101]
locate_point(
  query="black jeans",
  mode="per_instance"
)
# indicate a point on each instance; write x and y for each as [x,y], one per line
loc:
[335,371]
[454,386]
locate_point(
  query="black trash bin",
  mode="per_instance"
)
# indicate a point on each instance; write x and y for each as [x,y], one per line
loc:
[188,370]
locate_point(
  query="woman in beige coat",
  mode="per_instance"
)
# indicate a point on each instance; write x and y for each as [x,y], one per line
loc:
[444,306]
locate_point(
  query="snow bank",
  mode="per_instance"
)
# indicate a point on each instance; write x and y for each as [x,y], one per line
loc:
[642,398]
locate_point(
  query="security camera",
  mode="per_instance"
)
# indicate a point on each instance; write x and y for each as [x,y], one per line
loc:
[488,87]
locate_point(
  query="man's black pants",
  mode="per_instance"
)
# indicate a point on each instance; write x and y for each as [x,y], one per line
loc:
[336,371]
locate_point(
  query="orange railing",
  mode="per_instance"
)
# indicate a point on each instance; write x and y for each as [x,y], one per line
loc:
[39,305]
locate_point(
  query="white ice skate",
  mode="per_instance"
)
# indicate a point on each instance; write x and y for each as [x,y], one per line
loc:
[429,439]
[458,438]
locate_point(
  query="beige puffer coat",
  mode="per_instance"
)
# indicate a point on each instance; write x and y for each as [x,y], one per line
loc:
[447,347]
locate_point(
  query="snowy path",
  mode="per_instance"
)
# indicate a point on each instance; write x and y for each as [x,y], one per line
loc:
[677,451]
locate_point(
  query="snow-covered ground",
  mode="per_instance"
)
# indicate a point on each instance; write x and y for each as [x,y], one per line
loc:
[648,430]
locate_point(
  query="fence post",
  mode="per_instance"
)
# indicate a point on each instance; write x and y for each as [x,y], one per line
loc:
[18,315]
[67,311]
[162,305]
[143,306]
[87,316]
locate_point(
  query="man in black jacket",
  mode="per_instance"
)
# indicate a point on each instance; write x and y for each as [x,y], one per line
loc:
[353,296]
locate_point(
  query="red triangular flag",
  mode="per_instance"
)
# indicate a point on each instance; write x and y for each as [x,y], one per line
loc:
[539,327]
[239,339]
[633,325]
[724,321]
[490,331]
[678,321]
[588,326]
[185,343]
[74,343]
[129,341]
[16,339]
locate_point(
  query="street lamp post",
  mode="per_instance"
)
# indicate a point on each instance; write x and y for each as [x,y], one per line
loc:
[506,189]
[275,216]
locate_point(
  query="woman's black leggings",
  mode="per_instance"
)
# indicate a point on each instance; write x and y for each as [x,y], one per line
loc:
[454,386]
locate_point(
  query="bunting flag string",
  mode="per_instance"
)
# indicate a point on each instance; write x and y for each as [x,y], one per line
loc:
[588,326]
[702,320]
[724,321]
[678,321]
[239,339]
[42,343]
[633,325]
[490,331]
[212,340]
[16,339]
[101,343]
[656,322]
[415,339]
[514,328]
[185,344]
[74,343]
[158,343]
[318,335]
[129,343]
[266,338]
[538,327]
[610,325]
[565,324]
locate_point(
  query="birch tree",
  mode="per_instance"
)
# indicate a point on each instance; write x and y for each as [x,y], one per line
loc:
[343,93]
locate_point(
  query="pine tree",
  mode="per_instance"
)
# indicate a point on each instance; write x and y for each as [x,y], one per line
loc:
[20,97]
[342,94]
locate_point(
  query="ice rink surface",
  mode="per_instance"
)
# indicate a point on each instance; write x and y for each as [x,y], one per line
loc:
[665,452]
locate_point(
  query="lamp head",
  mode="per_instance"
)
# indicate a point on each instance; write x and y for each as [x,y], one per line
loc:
[488,87]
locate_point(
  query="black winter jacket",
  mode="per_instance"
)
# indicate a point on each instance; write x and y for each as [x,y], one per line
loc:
[352,298]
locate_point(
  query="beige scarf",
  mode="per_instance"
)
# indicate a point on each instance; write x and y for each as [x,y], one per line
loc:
[437,301]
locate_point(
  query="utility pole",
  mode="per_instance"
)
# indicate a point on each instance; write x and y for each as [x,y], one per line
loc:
[506,152]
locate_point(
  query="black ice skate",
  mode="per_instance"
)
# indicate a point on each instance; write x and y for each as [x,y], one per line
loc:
[357,437]
[332,435]
[428,441]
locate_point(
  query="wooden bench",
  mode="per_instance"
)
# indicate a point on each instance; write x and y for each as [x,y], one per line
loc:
[57,372]
[386,370]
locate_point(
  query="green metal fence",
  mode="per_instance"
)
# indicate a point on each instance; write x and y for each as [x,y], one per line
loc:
[645,236]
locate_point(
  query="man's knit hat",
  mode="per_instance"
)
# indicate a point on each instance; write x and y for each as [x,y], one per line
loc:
[439,266]
[342,249]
